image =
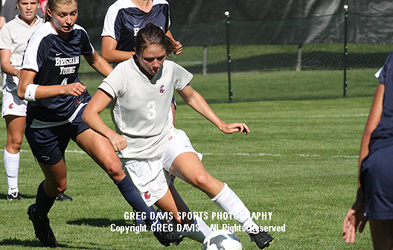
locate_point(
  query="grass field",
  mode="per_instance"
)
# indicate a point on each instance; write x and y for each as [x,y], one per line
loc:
[299,162]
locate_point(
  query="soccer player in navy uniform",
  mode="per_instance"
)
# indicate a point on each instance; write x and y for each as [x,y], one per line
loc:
[49,82]
[374,201]
[124,19]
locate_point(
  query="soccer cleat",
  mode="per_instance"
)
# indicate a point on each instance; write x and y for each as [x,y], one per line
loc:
[166,238]
[262,238]
[63,197]
[13,196]
[139,223]
[42,229]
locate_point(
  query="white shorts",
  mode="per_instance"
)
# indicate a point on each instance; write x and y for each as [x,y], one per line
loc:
[151,177]
[12,104]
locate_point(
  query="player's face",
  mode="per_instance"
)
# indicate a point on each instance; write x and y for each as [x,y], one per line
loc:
[28,9]
[151,59]
[63,18]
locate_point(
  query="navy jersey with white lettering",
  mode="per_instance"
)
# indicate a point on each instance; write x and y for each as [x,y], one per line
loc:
[123,21]
[383,134]
[56,61]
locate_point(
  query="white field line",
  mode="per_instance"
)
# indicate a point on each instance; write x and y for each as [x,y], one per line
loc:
[281,117]
[233,154]
[257,154]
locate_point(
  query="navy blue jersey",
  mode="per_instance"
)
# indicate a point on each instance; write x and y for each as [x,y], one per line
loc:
[382,136]
[123,21]
[56,61]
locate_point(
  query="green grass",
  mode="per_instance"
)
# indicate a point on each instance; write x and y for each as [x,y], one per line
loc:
[299,162]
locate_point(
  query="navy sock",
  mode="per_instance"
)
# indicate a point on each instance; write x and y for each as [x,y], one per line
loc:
[43,202]
[132,196]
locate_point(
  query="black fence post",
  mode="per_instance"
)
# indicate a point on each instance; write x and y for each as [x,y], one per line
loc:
[229,58]
[345,48]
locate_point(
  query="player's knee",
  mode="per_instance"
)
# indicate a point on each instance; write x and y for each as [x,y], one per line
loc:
[16,143]
[202,181]
[113,169]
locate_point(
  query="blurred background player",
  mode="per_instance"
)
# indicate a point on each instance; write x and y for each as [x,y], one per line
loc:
[50,83]
[13,39]
[140,91]
[122,22]
[374,201]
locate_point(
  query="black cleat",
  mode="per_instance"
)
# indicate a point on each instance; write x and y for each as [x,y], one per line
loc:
[262,238]
[42,229]
[13,196]
[63,197]
[166,238]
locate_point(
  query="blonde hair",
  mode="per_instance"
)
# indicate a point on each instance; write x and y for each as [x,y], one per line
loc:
[52,4]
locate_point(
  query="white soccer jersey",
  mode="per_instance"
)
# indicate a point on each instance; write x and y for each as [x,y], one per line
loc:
[141,107]
[14,36]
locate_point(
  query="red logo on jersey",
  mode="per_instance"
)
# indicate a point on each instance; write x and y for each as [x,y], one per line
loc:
[162,89]
[11,106]
[170,137]
[147,195]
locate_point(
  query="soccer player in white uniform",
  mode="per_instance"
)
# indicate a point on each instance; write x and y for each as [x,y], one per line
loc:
[50,82]
[139,91]
[13,40]
[122,22]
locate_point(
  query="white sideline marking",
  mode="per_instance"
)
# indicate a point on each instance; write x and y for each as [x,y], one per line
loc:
[231,154]
[308,116]
[258,154]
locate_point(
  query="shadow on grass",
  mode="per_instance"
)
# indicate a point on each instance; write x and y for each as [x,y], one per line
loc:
[102,222]
[36,243]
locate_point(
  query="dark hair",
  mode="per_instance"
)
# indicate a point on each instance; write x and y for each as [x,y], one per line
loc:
[52,4]
[148,35]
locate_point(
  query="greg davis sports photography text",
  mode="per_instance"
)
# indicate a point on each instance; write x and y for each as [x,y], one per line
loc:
[263,219]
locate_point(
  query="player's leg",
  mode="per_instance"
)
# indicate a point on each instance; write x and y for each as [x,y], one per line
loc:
[54,183]
[382,234]
[102,152]
[15,126]
[172,203]
[188,167]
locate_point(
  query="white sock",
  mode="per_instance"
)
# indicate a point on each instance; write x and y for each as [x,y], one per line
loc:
[229,202]
[11,165]
[201,230]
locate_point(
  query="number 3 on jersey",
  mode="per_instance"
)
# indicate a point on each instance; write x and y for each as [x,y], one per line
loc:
[152,110]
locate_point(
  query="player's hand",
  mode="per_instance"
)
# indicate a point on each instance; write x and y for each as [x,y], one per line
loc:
[235,127]
[118,142]
[17,73]
[74,89]
[179,48]
[351,222]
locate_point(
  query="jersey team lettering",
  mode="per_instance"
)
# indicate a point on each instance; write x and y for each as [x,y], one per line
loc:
[65,62]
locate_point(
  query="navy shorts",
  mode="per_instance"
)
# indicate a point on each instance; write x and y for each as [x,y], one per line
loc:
[376,178]
[49,144]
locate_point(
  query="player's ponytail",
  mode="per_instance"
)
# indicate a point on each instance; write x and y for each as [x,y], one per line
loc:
[148,35]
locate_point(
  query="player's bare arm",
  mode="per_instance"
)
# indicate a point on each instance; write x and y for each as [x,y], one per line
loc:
[111,54]
[99,64]
[5,57]
[198,103]
[41,92]
[91,116]
[179,46]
